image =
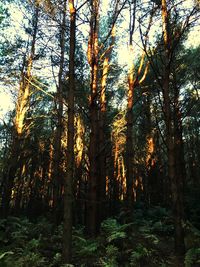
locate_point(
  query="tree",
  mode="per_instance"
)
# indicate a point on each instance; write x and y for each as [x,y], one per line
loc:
[174,28]
[92,53]
[22,106]
[134,79]
[58,170]
[68,181]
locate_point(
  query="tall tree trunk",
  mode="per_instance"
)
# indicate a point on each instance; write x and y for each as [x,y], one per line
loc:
[102,152]
[129,113]
[129,139]
[91,218]
[58,153]
[170,139]
[68,181]
[22,107]
[133,81]
[102,127]
[180,169]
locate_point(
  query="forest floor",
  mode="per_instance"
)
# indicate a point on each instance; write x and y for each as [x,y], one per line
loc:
[142,239]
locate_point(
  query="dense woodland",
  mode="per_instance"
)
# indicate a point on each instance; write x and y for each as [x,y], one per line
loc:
[99,159]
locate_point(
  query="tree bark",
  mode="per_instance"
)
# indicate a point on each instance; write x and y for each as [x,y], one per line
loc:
[91,217]
[68,181]
[129,141]
[133,81]
[102,127]
[58,152]
[22,107]
[176,182]
[180,170]
[129,113]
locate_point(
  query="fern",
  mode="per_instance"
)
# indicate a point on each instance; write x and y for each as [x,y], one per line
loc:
[110,258]
[192,257]
[113,230]
[139,254]
[67,265]
[5,254]
[6,259]
[31,259]
[25,242]
[116,235]
[84,247]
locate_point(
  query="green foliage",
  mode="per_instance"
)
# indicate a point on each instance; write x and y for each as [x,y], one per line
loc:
[31,259]
[140,254]
[24,243]
[162,227]
[143,242]
[89,247]
[193,199]
[113,230]
[5,254]
[84,248]
[3,14]
[157,212]
[192,241]
[5,259]
[110,258]
[67,265]
[192,257]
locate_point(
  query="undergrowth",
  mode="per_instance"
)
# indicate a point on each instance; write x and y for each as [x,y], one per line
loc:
[146,240]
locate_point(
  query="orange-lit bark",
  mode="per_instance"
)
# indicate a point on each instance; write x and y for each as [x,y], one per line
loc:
[23,98]
[119,140]
[79,140]
[22,107]
[102,126]
[122,195]
[48,181]
[134,79]
[150,161]
[133,82]
[50,163]
[79,183]
[129,136]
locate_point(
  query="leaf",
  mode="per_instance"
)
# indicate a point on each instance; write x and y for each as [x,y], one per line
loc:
[191,256]
[115,236]
[83,240]
[5,254]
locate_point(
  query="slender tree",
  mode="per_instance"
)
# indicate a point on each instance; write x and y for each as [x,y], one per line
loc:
[134,79]
[93,49]
[59,132]
[173,32]
[68,181]
[176,185]
[22,107]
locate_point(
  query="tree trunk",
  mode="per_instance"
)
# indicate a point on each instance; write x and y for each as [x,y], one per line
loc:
[102,137]
[91,218]
[176,183]
[22,107]
[129,142]
[102,127]
[68,181]
[180,171]
[133,82]
[58,152]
